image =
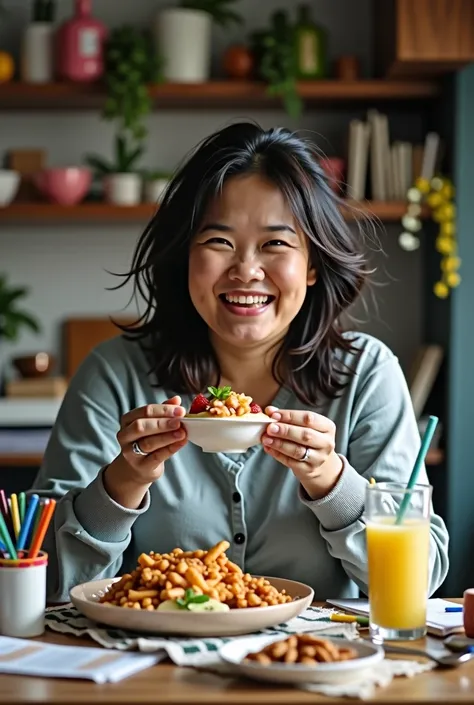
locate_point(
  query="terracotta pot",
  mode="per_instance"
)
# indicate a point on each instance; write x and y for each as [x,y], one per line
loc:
[238,62]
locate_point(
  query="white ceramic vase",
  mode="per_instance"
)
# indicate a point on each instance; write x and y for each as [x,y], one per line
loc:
[37,53]
[154,190]
[183,41]
[123,189]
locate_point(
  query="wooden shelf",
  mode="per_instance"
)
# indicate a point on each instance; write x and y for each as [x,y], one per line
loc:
[216,94]
[435,457]
[39,213]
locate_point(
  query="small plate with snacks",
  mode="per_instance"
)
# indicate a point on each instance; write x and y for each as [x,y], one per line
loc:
[191,593]
[301,658]
[224,421]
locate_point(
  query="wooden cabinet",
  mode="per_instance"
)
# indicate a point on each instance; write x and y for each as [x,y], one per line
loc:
[422,37]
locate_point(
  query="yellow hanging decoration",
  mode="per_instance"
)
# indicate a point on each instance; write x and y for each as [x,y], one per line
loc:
[438,194]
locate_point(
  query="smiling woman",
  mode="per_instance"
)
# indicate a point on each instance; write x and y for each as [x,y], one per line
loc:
[245,271]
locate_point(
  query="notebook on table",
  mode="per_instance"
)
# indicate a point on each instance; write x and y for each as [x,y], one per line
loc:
[438,622]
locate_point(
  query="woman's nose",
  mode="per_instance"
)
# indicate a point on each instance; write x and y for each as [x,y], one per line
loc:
[246,271]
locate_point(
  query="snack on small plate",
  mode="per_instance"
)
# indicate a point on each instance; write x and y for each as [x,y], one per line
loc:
[194,581]
[304,649]
[224,403]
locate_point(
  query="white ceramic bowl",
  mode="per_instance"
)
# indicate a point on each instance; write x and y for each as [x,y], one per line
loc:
[225,435]
[368,656]
[85,599]
[9,183]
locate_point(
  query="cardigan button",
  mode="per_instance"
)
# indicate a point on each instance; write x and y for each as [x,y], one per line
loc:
[239,538]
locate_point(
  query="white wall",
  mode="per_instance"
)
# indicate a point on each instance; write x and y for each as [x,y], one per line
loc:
[65,266]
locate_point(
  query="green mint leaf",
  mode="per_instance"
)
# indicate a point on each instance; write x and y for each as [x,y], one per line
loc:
[198,599]
[189,594]
[181,602]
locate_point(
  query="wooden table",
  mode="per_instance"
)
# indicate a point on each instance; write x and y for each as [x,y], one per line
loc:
[169,685]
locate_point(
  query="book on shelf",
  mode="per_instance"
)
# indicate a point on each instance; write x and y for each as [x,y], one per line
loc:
[37,387]
[379,167]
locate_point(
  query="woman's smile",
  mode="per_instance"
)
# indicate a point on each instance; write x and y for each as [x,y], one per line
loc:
[241,302]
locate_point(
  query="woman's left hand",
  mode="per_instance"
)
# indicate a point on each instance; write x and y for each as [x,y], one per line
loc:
[305,442]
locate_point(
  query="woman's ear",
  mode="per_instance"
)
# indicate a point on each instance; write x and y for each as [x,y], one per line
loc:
[312,277]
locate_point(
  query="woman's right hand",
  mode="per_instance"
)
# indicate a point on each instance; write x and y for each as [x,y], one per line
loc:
[157,430]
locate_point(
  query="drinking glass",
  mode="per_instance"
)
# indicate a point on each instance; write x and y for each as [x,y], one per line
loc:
[398,555]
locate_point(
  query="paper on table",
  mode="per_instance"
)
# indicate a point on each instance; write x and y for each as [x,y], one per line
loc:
[438,622]
[33,658]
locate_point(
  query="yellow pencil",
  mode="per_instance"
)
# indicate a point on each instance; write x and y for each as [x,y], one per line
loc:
[349,618]
[15,515]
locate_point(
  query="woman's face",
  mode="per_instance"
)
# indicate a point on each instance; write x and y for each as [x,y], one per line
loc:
[249,264]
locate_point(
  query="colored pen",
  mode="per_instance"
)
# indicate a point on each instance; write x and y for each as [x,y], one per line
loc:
[453,609]
[363,621]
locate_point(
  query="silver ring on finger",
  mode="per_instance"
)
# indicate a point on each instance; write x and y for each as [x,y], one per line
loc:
[136,449]
[305,457]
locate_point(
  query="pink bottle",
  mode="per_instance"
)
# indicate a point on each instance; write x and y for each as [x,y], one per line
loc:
[80,46]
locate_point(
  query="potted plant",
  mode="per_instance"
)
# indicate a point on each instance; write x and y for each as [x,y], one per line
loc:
[275,54]
[12,318]
[130,66]
[155,185]
[183,37]
[121,177]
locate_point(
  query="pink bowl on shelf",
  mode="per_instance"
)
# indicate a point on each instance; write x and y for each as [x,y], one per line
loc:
[65,186]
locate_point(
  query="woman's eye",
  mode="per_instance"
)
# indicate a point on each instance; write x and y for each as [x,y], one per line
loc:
[217,241]
[276,243]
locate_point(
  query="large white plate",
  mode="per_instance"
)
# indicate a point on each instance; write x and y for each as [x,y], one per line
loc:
[233,654]
[85,598]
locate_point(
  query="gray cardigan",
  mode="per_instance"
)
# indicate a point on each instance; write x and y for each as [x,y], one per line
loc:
[251,500]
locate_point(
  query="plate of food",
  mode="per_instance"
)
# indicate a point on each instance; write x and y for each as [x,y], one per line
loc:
[301,658]
[191,593]
[224,421]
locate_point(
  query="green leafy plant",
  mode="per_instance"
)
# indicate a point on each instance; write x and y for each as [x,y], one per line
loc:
[220,10]
[276,59]
[12,318]
[131,65]
[221,393]
[190,597]
[125,159]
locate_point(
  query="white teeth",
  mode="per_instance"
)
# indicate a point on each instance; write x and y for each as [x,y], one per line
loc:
[248,300]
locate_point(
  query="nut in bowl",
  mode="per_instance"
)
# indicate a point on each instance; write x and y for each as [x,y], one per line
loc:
[301,658]
[225,421]
[192,593]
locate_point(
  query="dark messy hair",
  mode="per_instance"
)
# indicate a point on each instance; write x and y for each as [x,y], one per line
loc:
[177,338]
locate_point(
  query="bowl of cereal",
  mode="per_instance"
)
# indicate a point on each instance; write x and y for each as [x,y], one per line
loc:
[191,593]
[225,421]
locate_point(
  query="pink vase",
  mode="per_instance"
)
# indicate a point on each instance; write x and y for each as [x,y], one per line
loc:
[334,168]
[80,46]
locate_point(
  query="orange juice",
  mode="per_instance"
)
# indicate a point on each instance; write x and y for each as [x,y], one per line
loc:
[398,571]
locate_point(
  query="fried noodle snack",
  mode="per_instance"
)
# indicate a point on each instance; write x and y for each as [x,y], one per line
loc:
[304,649]
[167,576]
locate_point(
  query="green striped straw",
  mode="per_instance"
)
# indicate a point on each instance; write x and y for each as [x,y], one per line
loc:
[425,444]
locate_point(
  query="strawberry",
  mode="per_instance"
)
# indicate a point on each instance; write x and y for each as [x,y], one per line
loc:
[255,408]
[199,404]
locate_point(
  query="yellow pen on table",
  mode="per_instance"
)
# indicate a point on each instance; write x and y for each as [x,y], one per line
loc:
[349,618]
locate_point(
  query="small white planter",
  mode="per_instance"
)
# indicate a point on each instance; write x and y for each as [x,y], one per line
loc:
[183,41]
[123,189]
[9,183]
[154,190]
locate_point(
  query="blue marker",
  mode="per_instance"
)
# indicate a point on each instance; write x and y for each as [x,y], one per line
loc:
[453,609]
[26,525]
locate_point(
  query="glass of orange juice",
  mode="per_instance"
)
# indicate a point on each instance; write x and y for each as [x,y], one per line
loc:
[398,554]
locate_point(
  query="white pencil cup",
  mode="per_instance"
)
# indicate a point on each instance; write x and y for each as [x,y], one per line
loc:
[23,595]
